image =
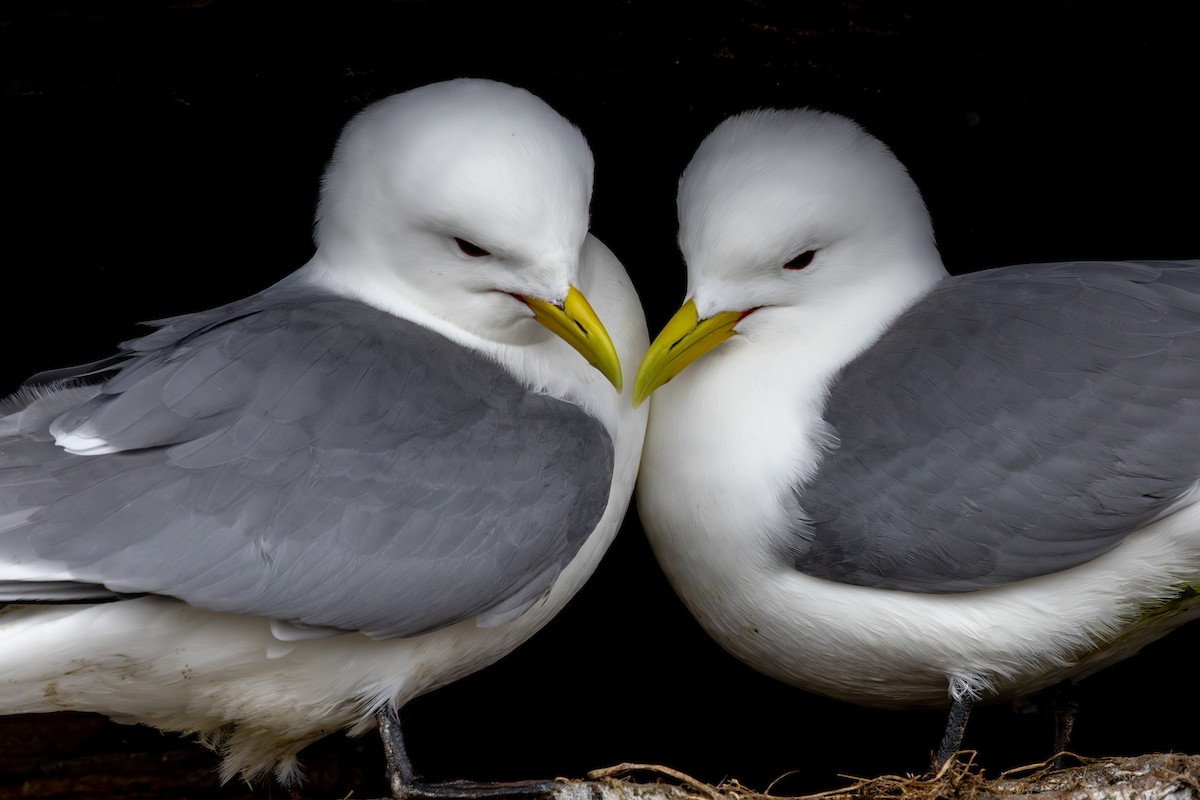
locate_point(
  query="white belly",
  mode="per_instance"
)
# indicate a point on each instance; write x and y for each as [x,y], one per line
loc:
[712,527]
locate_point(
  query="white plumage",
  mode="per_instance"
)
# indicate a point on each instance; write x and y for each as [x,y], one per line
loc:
[462,207]
[805,239]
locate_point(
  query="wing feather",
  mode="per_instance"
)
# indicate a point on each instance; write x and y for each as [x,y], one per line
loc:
[307,458]
[1013,423]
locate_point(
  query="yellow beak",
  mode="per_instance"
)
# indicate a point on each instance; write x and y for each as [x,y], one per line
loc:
[577,324]
[684,339]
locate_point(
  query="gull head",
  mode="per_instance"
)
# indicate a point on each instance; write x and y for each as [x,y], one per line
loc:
[787,217]
[464,203]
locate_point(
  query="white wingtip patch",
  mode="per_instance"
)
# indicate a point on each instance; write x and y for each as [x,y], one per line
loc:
[81,445]
[299,632]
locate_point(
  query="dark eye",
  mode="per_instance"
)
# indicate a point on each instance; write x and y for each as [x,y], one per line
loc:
[801,261]
[473,250]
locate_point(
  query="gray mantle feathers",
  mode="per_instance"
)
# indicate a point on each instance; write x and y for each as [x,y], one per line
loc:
[953,424]
[336,444]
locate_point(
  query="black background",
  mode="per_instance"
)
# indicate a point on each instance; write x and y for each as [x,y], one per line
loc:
[162,157]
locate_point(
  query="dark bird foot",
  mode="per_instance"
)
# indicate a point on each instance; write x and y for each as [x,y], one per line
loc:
[468,790]
[956,724]
[1066,706]
[407,786]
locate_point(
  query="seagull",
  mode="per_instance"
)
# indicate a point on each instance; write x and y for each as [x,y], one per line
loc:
[898,488]
[291,514]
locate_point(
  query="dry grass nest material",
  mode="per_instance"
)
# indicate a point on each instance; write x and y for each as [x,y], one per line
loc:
[1159,776]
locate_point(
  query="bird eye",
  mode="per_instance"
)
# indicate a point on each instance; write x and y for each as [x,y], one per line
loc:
[473,250]
[801,261]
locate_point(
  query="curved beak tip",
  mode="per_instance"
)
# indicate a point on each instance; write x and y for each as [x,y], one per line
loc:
[683,339]
[576,323]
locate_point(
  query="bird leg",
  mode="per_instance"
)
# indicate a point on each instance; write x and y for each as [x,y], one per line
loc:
[407,786]
[399,767]
[1066,706]
[956,724]
[962,698]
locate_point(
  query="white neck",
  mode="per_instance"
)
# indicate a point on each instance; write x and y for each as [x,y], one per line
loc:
[768,386]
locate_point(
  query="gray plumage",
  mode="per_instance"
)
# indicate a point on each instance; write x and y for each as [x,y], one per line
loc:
[1013,423]
[304,457]
[966,488]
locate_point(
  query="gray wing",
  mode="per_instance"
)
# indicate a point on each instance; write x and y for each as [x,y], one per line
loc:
[1013,423]
[307,458]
